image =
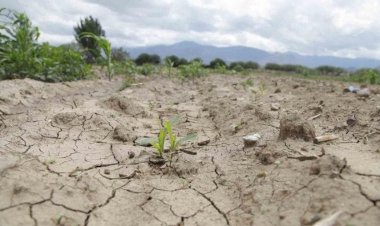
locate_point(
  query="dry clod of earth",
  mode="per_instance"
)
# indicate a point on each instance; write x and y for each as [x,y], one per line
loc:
[125,105]
[293,126]
[123,134]
[364,93]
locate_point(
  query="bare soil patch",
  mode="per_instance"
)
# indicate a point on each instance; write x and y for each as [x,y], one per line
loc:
[68,154]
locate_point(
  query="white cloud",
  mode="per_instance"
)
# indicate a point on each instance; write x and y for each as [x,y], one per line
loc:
[340,27]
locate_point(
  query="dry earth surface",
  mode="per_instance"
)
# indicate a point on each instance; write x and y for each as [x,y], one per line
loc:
[68,154]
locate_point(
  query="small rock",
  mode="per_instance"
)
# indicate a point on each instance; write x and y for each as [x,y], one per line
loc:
[156,160]
[364,92]
[351,121]
[251,140]
[107,171]
[131,154]
[275,107]
[351,89]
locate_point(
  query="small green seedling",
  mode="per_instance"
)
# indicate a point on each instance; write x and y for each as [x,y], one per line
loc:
[173,139]
[159,142]
[174,142]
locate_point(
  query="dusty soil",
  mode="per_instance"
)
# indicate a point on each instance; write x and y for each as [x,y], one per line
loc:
[67,153]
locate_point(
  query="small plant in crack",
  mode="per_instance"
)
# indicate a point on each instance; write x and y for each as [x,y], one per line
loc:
[159,143]
[174,140]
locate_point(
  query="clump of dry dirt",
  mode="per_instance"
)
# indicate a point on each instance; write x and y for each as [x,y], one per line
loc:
[125,105]
[122,133]
[293,126]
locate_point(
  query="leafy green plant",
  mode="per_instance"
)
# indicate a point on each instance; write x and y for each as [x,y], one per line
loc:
[192,70]
[104,45]
[174,140]
[21,56]
[370,76]
[169,65]
[58,64]
[159,143]
[247,83]
[126,68]
[127,82]
[220,69]
[146,69]
[18,45]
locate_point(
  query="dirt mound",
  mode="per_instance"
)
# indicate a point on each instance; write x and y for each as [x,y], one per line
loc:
[122,133]
[125,105]
[293,126]
[65,118]
[327,165]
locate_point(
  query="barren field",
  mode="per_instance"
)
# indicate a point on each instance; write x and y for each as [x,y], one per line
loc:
[68,153]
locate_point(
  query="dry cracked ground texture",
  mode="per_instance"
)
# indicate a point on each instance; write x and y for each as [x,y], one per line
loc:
[67,154]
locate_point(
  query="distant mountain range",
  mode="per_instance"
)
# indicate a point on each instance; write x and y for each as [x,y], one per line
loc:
[191,50]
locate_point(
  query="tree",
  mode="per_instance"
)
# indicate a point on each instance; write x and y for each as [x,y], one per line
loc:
[197,59]
[176,61]
[145,58]
[119,54]
[251,65]
[217,62]
[104,45]
[90,25]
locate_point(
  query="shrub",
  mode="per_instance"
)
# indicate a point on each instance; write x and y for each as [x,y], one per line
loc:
[192,70]
[18,45]
[60,64]
[127,67]
[146,69]
[145,58]
[330,70]
[286,67]
[90,25]
[370,76]
[199,60]
[237,66]
[21,56]
[251,65]
[119,54]
[217,62]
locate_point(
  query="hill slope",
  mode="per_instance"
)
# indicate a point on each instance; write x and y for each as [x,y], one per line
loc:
[191,50]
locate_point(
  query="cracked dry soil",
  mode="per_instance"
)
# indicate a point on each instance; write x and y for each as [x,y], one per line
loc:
[67,154]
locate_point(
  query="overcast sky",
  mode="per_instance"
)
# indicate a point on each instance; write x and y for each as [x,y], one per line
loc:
[349,28]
